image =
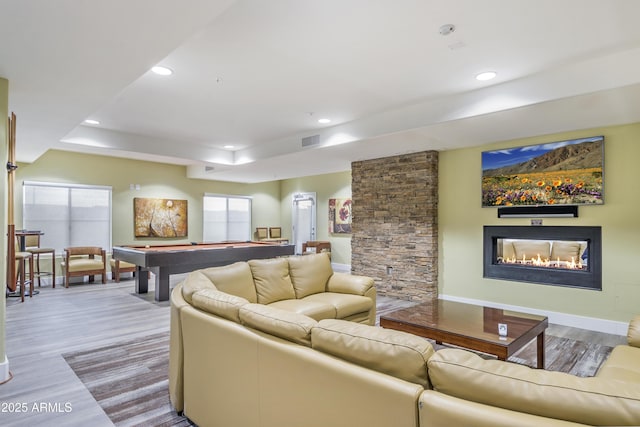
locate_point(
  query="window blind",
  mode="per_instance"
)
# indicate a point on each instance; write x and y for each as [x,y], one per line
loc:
[226,218]
[68,214]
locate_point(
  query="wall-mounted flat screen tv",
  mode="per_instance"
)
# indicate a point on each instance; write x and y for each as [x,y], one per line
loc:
[556,173]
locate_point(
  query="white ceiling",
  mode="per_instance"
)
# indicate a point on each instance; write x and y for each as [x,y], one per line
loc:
[259,74]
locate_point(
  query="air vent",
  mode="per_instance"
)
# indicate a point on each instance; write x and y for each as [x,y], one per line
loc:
[310,141]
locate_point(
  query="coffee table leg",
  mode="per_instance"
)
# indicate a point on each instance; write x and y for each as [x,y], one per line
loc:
[541,350]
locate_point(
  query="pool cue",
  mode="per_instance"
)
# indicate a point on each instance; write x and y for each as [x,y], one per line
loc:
[11,228]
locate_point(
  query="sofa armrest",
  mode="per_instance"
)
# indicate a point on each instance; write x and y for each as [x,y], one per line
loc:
[194,282]
[633,334]
[345,283]
[176,351]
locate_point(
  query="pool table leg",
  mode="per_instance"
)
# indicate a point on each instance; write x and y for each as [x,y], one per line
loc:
[142,280]
[162,284]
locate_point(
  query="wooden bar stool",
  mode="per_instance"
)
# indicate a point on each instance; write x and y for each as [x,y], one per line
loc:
[32,243]
[21,260]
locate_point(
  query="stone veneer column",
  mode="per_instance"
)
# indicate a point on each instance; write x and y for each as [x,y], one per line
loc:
[395,224]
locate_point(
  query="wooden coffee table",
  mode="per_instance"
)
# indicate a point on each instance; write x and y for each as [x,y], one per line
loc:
[471,326]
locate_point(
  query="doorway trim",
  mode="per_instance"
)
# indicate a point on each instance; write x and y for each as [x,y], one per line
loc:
[297,198]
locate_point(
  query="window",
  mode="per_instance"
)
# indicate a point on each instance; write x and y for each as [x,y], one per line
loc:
[68,214]
[226,218]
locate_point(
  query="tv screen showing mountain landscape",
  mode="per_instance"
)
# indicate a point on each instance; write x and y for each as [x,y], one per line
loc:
[557,173]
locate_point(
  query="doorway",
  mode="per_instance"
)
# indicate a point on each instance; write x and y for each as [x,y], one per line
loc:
[304,219]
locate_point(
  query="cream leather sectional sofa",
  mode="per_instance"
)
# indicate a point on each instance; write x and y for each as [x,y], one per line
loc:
[468,390]
[288,342]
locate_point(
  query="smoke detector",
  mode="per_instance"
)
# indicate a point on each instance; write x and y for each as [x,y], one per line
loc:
[447,29]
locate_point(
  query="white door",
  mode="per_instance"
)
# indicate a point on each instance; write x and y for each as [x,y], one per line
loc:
[304,219]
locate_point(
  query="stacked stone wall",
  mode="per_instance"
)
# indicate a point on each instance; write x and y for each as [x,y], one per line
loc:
[395,224]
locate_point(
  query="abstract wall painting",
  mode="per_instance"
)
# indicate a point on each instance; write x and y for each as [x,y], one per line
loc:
[163,218]
[340,216]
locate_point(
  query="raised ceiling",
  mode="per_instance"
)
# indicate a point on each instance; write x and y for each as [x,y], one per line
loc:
[259,74]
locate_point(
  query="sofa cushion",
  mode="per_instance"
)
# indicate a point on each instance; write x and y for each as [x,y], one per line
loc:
[633,333]
[112,262]
[465,375]
[84,264]
[272,280]
[315,310]
[566,251]
[531,249]
[309,273]
[395,353]
[219,303]
[442,410]
[345,304]
[234,279]
[281,323]
[622,364]
[346,283]
[194,282]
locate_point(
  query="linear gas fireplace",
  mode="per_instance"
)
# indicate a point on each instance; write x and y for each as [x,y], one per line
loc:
[551,255]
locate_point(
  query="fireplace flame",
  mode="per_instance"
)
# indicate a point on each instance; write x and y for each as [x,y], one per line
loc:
[538,261]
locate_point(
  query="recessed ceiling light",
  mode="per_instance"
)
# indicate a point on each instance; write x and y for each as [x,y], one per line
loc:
[324,121]
[92,122]
[162,71]
[488,75]
[229,147]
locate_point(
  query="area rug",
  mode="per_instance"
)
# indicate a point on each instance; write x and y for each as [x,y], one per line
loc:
[579,358]
[566,355]
[129,380]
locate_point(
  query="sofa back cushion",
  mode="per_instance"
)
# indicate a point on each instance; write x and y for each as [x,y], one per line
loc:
[194,282]
[633,333]
[531,249]
[310,273]
[281,323]
[622,364]
[272,280]
[234,279]
[395,353]
[592,401]
[219,303]
[566,251]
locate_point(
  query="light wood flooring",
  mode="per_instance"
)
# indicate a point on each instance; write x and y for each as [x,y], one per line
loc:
[86,316]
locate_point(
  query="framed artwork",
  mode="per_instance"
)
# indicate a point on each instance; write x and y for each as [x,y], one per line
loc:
[159,217]
[340,216]
[557,173]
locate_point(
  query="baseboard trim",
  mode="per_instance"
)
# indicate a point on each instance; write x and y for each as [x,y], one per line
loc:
[575,321]
[4,370]
[341,268]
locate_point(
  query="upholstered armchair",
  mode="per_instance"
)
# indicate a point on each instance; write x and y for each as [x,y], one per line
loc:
[262,233]
[275,232]
[82,261]
[118,267]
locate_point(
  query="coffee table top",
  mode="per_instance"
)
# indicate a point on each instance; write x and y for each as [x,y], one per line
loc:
[458,323]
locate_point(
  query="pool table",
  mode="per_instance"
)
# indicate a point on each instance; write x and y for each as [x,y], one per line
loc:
[164,260]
